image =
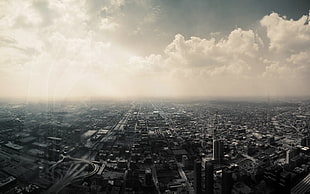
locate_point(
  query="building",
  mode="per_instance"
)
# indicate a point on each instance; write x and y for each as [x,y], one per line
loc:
[271,140]
[241,188]
[54,148]
[185,161]
[227,181]
[209,181]
[305,141]
[14,146]
[197,177]
[148,177]
[290,154]
[272,175]
[218,150]
[6,181]
[285,183]
[303,186]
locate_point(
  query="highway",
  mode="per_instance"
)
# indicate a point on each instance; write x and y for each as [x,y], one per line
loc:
[76,169]
[74,173]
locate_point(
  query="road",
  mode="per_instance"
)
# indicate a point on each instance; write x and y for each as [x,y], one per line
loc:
[155,179]
[74,173]
[183,175]
[171,123]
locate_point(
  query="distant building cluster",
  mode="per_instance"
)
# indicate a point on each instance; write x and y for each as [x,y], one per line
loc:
[211,147]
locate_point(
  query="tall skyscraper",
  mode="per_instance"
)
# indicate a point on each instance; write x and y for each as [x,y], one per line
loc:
[197,176]
[209,181]
[148,177]
[227,181]
[218,150]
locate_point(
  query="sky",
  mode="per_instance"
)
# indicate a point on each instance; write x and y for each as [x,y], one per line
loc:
[154,48]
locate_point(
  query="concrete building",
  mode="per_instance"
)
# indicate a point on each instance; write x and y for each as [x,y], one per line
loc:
[218,150]
[209,180]
[197,177]
[227,181]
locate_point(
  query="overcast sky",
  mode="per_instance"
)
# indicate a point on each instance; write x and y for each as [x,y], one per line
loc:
[153,48]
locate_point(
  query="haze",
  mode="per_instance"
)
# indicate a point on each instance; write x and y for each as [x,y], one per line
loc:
[168,48]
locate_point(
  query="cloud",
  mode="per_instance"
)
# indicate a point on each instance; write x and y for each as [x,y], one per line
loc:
[107,24]
[241,63]
[63,57]
[289,45]
[152,16]
[287,36]
[68,48]
[233,54]
[151,64]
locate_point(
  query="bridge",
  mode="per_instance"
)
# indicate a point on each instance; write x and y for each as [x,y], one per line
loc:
[68,170]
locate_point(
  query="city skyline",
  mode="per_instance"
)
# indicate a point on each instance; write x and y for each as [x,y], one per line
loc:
[134,48]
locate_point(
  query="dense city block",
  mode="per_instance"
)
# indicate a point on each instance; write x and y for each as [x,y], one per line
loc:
[156,146]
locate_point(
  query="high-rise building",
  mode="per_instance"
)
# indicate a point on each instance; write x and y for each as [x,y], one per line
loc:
[227,181]
[148,177]
[290,154]
[197,176]
[209,181]
[185,161]
[284,183]
[54,148]
[305,141]
[218,150]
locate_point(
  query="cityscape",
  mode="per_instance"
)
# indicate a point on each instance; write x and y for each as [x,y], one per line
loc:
[154,97]
[156,146]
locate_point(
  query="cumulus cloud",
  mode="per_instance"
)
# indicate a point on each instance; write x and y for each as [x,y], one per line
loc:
[241,63]
[65,48]
[289,45]
[236,53]
[285,35]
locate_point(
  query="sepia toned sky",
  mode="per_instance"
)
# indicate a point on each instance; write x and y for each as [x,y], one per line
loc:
[154,48]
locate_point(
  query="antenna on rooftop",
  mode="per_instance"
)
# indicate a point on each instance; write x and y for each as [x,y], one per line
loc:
[215,125]
[268,110]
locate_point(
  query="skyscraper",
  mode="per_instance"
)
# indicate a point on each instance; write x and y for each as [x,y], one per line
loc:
[209,181]
[290,154]
[218,150]
[227,181]
[148,177]
[197,176]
